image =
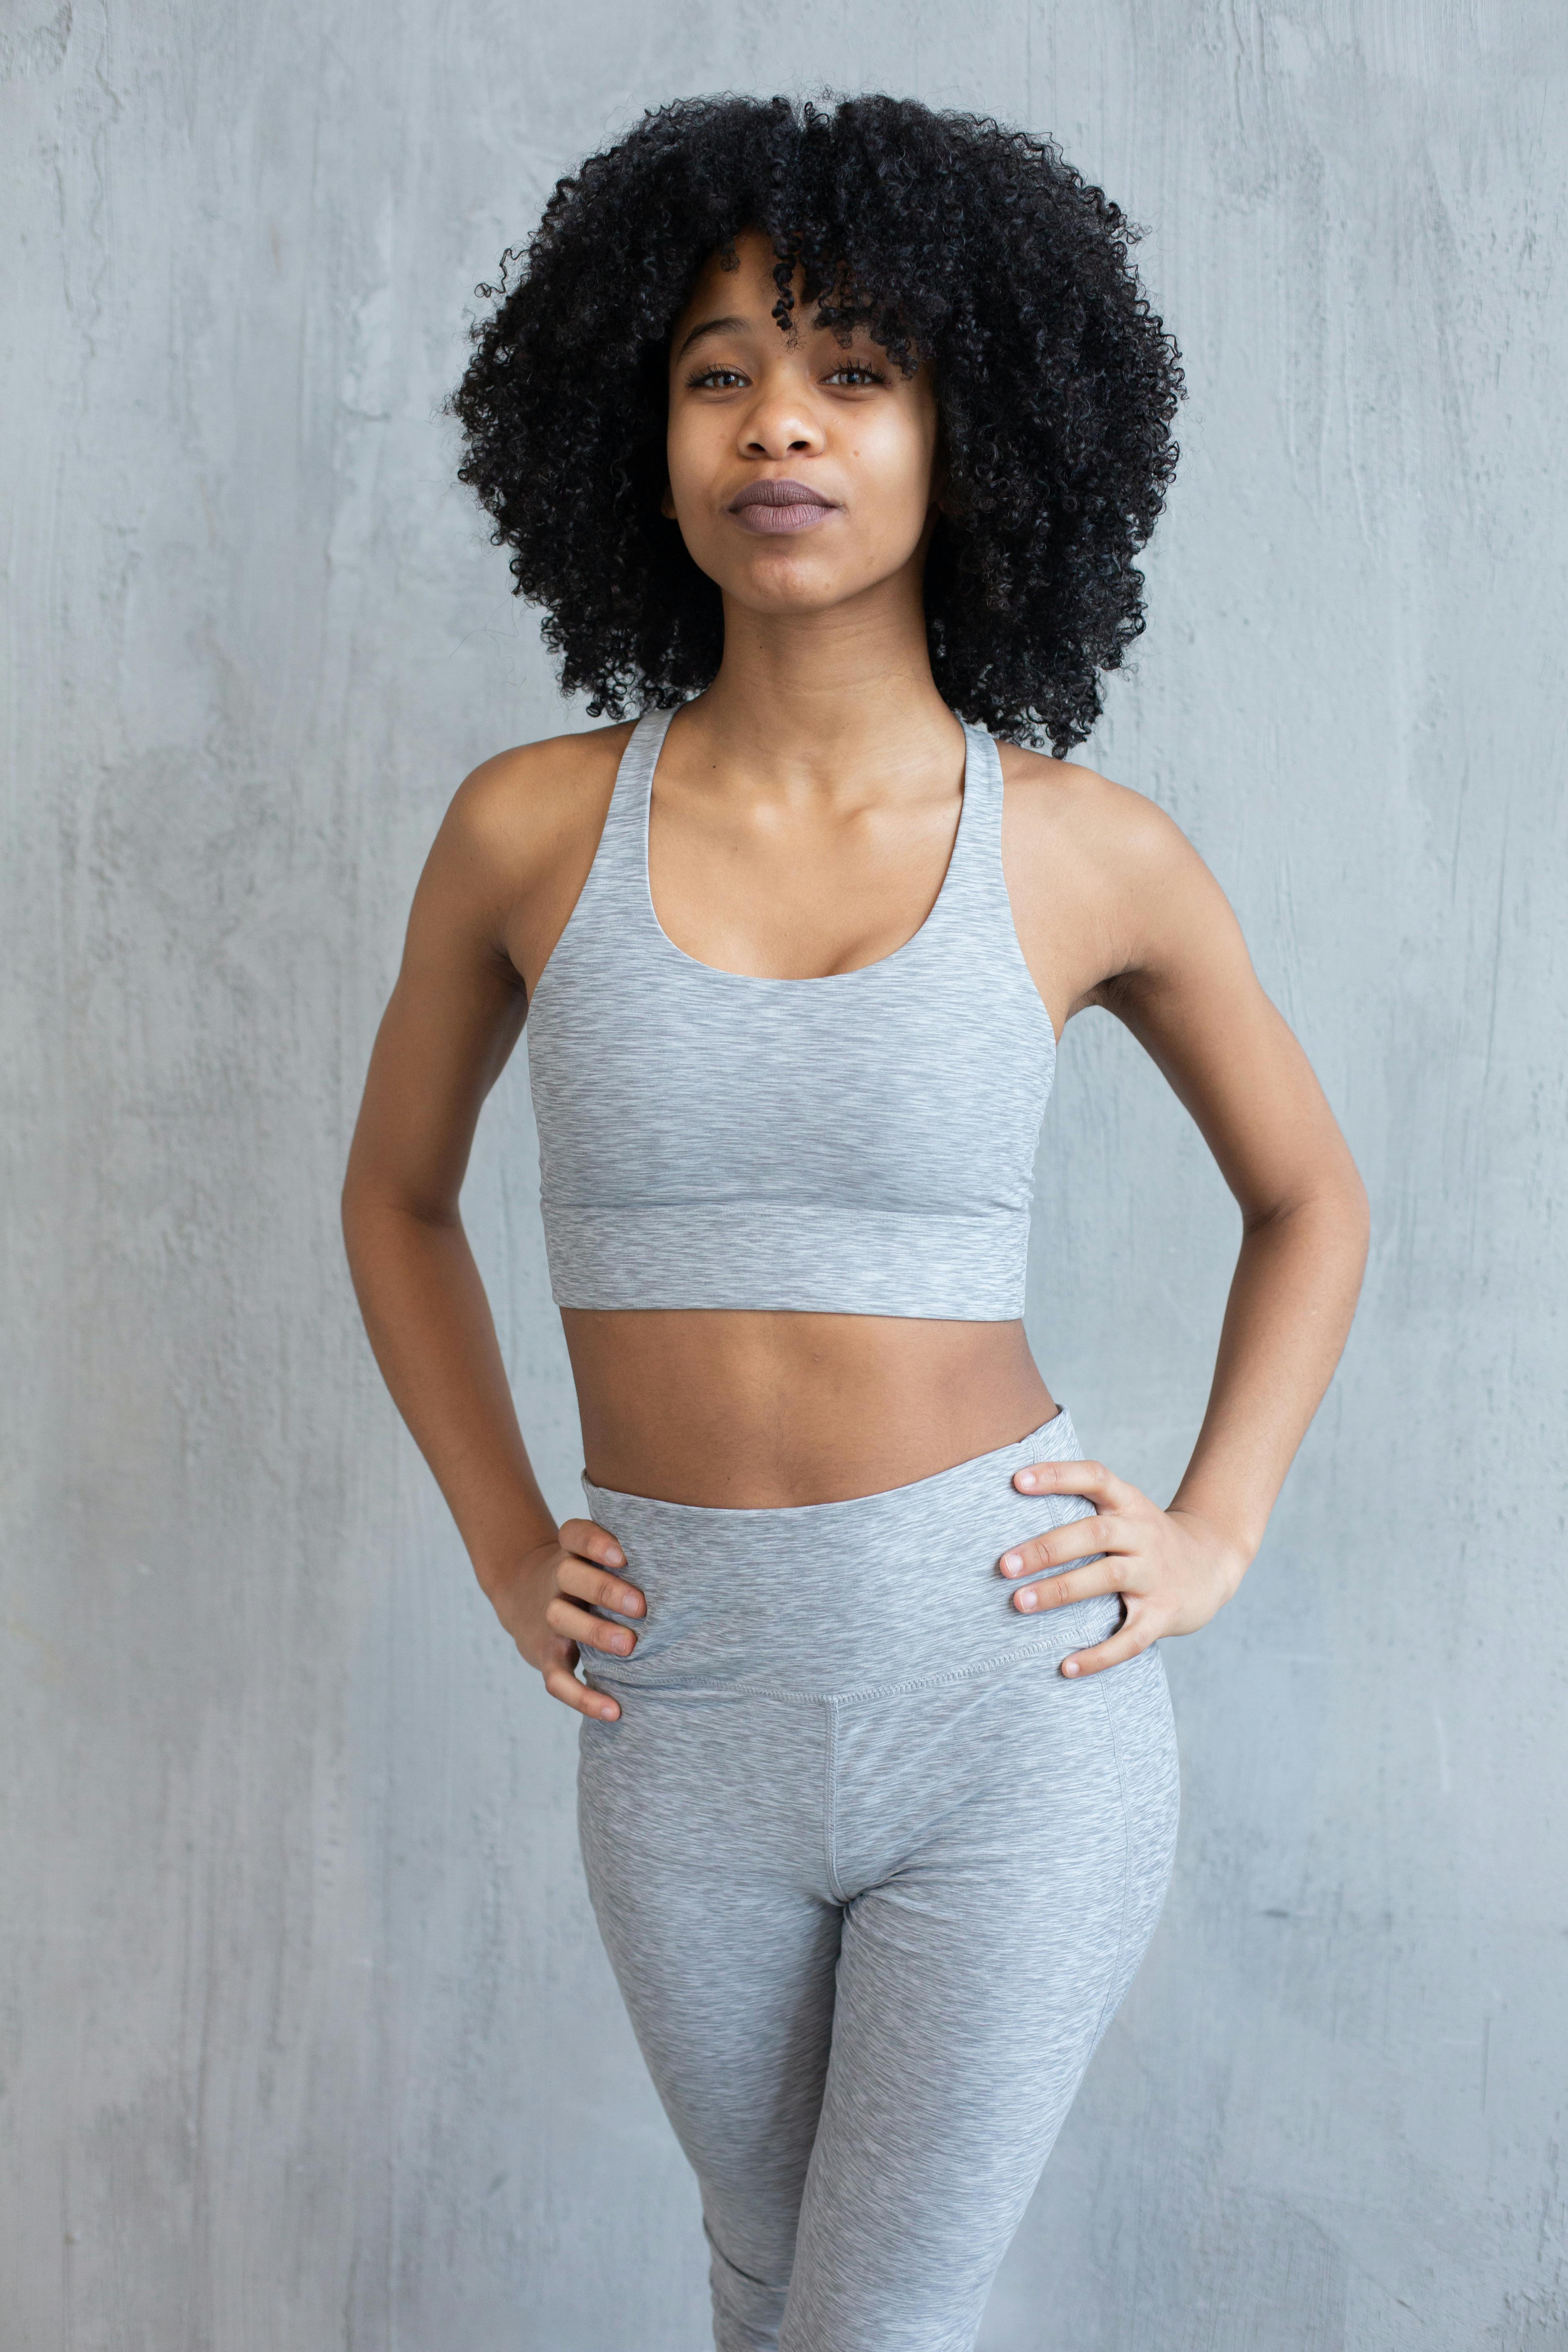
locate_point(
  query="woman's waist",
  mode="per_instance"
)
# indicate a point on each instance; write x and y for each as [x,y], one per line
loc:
[870,1593]
[755,1410]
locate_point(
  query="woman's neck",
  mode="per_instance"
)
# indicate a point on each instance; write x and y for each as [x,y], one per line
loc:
[813,697]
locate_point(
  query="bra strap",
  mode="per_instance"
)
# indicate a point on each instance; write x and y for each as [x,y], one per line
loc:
[977,875]
[628,814]
[617,879]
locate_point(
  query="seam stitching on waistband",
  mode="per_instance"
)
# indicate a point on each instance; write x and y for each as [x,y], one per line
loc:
[1013,1655]
[830,1806]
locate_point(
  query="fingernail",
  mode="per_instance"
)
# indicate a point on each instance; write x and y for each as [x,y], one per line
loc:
[1027,1599]
[1069,1665]
[1012,1561]
[1025,1478]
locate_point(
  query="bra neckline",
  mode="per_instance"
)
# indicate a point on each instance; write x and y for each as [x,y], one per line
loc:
[642,829]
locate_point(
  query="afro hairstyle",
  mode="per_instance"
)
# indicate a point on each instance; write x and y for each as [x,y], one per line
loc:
[952,240]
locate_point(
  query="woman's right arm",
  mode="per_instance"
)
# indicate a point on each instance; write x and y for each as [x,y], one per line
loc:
[453,1019]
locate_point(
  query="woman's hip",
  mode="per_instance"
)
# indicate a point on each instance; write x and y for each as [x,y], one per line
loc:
[829,1599]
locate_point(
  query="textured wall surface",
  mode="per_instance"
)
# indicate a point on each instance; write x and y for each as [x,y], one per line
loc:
[305,2037]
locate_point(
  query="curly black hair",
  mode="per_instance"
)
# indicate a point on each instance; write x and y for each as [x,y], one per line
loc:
[953,239]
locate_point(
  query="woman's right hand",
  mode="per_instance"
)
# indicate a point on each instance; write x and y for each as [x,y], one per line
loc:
[540,1600]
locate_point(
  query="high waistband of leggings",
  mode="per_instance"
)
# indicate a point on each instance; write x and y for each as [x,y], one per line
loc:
[881,1593]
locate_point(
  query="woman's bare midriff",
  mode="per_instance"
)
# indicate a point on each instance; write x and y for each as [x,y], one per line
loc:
[746,1410]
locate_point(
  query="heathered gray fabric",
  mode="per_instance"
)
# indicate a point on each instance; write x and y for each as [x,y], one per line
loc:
[873,1875]
[861,1144]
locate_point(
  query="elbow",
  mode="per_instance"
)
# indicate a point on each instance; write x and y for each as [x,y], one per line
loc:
[1347,1201]
[1359,1208]
[362,1206]
[1360,1217]
[1335,1204]
[353,1218]
[372,1207]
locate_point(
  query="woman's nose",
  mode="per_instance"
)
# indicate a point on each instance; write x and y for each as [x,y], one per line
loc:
[781,427]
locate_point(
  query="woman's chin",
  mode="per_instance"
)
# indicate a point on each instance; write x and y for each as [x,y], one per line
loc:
[796,589]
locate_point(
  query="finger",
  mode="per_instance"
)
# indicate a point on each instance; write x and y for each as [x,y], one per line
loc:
[1075,1540]
[1133,1637]
[589,1632]
[1093,1480]
[591,1541]
[563,1685]
[587,1583]
[1075,1584]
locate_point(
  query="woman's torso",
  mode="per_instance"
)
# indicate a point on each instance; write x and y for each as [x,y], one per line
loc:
[762,1056]
[759,1411]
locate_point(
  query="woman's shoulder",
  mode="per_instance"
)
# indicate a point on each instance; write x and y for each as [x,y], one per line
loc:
[524,809]
[517,841]
[1068,818]
[1103,882]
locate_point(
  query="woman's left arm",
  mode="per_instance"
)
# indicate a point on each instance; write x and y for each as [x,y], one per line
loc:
[1184,986]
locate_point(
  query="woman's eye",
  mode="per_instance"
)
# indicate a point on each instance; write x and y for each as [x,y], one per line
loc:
[852,371]
[716,378]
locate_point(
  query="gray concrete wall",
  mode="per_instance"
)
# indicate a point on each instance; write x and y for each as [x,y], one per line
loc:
[305,2038]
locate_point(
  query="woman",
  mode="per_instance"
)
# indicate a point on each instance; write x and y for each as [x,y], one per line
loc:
[826,440]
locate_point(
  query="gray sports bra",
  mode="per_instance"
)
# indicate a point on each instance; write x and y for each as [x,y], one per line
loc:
[861,1144]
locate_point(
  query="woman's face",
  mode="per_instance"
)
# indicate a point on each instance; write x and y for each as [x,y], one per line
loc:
[801,469]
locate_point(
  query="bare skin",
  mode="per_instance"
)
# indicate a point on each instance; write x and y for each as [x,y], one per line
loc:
[802,814]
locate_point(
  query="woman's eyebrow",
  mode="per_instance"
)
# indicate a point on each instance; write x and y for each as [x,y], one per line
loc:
[730,326]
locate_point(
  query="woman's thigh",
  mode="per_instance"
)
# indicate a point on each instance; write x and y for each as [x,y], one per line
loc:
[700,1821]
[984,1954]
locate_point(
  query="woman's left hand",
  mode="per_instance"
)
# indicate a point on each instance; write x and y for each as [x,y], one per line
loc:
[1172,1569]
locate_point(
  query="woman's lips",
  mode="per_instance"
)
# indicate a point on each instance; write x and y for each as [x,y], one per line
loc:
[775,505]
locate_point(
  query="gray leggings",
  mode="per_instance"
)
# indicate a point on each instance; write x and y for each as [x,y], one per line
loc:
[873,1876]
